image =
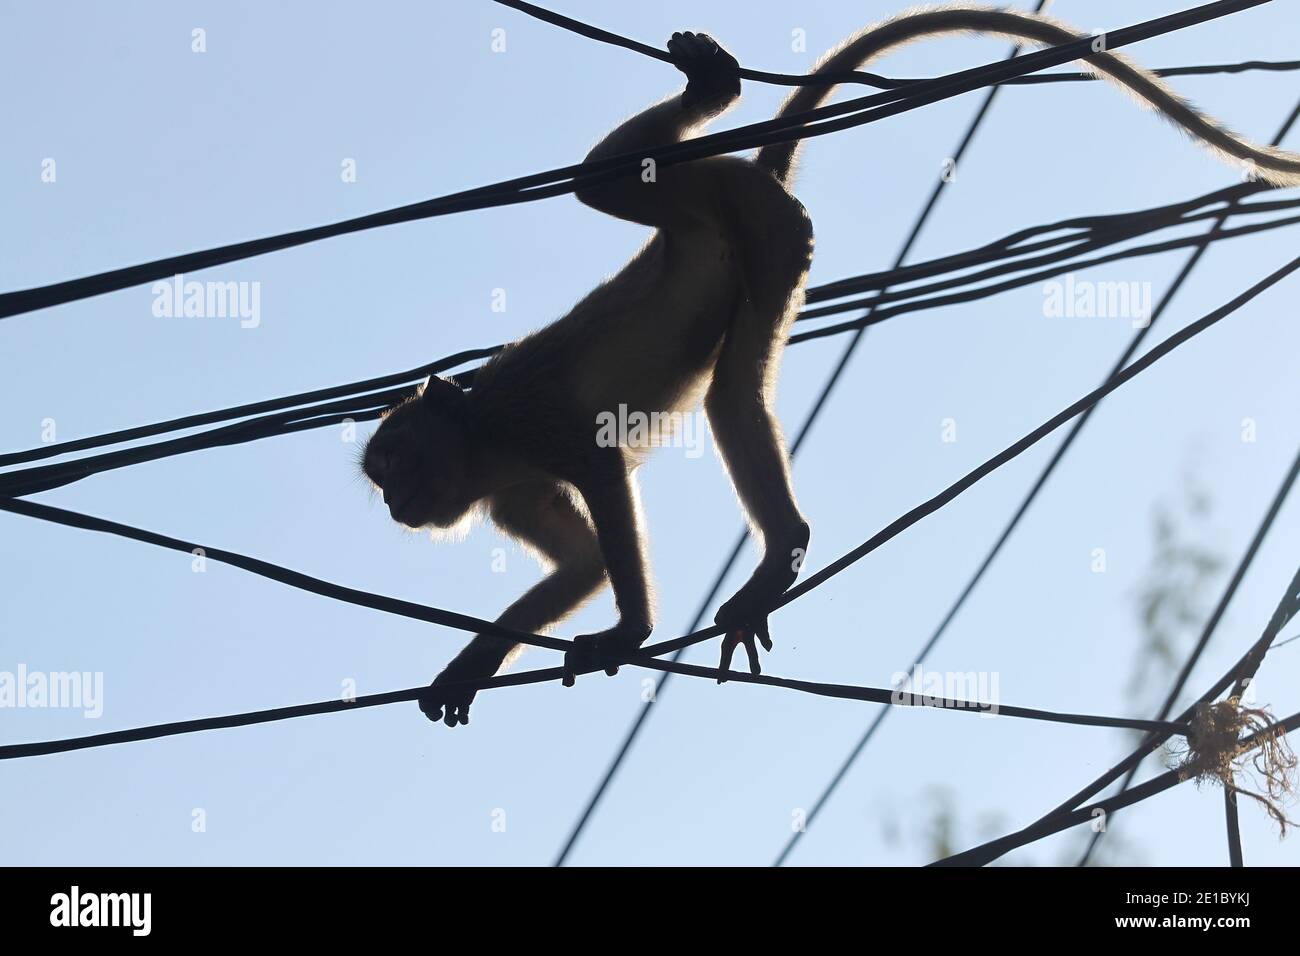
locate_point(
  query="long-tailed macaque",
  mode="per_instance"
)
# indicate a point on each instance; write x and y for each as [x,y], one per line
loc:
[701,312]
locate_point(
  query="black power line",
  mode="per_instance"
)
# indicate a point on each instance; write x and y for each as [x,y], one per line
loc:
[861,76]
[983,292]
[877,695]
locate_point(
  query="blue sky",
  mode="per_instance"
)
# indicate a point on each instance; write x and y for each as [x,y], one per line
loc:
[161,150]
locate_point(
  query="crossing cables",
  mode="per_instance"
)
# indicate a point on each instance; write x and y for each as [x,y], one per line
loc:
[556,182]
[646,657]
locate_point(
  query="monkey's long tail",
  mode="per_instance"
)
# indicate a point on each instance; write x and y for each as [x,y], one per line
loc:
[1270,164]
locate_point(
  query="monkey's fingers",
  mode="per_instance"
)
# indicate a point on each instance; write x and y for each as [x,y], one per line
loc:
[457,713]
[437,707]
[430,707]
[573,660]
[705,62]
[589,653]
[685,46]
[745,636]
[752,651]
[729,642]
[576,660]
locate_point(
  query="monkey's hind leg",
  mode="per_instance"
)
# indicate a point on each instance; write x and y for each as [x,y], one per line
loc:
[773,238]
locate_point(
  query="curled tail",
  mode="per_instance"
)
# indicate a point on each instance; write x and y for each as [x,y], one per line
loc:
[1267,162]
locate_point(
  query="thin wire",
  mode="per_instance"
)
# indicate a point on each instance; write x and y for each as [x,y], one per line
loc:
[1208,69]
[877,695]
[984,292]
[240,411]
[1039,483]
[1059,261]
[861,76]
[1234,828]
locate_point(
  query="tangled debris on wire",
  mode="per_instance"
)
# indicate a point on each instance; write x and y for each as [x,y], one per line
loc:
[1218,749]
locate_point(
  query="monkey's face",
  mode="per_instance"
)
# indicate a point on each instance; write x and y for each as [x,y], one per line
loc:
[416,459]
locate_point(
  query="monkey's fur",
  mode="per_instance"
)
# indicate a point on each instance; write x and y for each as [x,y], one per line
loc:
[702,311]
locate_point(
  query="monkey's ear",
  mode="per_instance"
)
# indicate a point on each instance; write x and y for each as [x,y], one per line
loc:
[441,393]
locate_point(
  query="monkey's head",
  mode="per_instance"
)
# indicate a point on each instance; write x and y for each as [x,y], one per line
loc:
[418,458]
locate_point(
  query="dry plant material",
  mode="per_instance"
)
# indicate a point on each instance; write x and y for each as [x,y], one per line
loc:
[1217,750]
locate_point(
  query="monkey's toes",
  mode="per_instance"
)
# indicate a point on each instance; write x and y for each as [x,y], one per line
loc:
[737,636]
[686,43]
[698,53]
[449,712]
[607,651]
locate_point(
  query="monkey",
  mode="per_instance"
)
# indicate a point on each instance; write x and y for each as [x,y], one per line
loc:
[699,315]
